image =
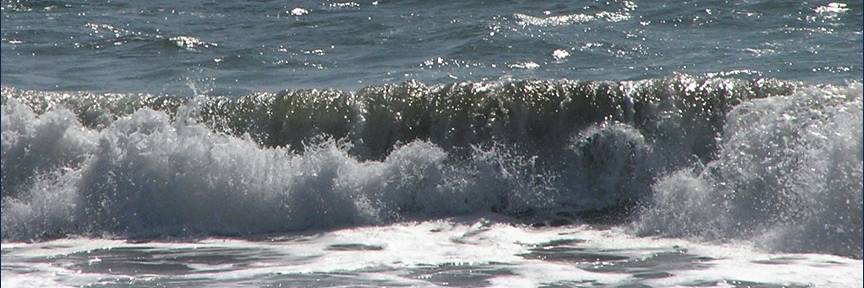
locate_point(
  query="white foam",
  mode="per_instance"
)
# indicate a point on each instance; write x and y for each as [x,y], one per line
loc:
[560,54]
[152,173]
[191,43]
[149,175]
[406,248]
[789,176]
[298,11]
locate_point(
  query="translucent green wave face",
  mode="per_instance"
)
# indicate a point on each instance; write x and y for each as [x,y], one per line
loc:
[534,115]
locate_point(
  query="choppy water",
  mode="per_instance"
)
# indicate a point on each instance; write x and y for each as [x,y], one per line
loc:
[237,47]
[555,144]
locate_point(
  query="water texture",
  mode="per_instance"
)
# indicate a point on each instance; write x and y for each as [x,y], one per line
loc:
[431,144]
[235,48]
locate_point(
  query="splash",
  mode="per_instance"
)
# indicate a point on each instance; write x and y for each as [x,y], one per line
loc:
[788,176]
[761,160]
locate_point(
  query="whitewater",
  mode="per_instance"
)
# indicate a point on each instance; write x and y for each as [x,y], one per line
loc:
[673,181]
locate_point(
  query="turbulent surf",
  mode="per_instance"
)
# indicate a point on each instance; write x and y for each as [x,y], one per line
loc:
[712,158]
[428,144]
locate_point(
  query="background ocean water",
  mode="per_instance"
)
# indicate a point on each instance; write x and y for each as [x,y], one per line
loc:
[232,48]
[430,144]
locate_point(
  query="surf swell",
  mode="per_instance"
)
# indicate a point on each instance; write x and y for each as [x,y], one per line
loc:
[140,165]
[536,115]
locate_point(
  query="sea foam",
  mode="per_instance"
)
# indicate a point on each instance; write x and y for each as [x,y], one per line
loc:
[719,159]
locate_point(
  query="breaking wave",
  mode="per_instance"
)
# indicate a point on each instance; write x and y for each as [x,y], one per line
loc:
[676,156]
[788,175]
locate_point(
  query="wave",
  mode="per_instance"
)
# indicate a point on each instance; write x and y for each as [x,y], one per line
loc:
[140,165]
[788,175]
[536,115]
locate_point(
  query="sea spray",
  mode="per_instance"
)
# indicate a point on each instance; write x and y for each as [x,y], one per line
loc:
[788,175]
[145,167]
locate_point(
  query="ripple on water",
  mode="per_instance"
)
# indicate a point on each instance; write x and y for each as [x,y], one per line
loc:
[353,247]
[146,260]
[460,274]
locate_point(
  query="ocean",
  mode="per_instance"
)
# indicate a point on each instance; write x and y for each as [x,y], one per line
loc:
[432,144]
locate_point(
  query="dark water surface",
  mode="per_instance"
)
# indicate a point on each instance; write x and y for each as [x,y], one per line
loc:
[234,47]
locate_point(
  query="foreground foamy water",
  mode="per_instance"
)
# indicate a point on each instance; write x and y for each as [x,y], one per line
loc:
[450,252]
